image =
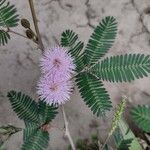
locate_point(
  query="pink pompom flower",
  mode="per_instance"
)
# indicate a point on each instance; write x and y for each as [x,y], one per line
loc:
[53,90]
[55,85]
[57,61]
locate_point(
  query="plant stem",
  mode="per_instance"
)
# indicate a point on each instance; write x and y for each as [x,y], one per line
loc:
[67,132]
[35,21]
[19,34]
[105,142]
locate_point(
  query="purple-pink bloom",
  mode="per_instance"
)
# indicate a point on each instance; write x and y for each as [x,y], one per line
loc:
[55,85]
[54,91]
[57,60]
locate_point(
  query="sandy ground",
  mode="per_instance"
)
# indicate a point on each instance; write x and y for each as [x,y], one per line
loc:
[20,58]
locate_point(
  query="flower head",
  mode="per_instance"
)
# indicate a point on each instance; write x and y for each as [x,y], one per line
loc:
[53,90]
[55,84]
[57,60]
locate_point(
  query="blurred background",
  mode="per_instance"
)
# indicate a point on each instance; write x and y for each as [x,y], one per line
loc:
[19,60]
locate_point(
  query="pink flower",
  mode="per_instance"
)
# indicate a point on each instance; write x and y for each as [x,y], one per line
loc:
[55,84]
[53,90]
[57,61]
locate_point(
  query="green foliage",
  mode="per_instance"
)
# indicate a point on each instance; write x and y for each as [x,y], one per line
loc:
[86,144]
[101,40]
[9,130]
[91,72]
[93,93]
[30,129]
[46,112]
[127,138]
[123,67]
[8,16]
[91,143]
[4,37]
[24,106]
[120,68]
[121,144]
[31,112]
[38,141]
[117,115]
[141,116]
[35,117]
[8,19]
[5,133]
[80,63]
[125,144]
[70,39]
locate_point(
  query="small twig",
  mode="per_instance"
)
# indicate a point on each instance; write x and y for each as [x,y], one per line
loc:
[19,34]
[67,132]
[105,142]
[99,145]
[35,21]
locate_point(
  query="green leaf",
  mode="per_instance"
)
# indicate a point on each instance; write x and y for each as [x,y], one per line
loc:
[8,16]
[101,40]
[30,129]
[126,137]
[24,106]
[47,112]
[121,144]
[125,144]
[93,93]
[5,133]
[4,37]
[123,67]
[9,130]
[70,40]
[38,141]
[2,146]
[80,63]
[141,116]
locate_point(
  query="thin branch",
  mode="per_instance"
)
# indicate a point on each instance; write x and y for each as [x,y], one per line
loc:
[19,34]
[35,21]
[67,132]
[103,146]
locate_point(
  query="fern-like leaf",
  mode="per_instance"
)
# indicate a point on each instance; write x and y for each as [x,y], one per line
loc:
[123,67]
[126,138]
[38,141]
[101,40]
[24,106]
[141,116]
[120,142]
[30,129]
[46,112]
[70,40]
[80,63]
[125,144]
[8,16]
[93,93]
[4,37]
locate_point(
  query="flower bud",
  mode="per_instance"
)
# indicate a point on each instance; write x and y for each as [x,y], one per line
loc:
[25,23]
[29,34]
